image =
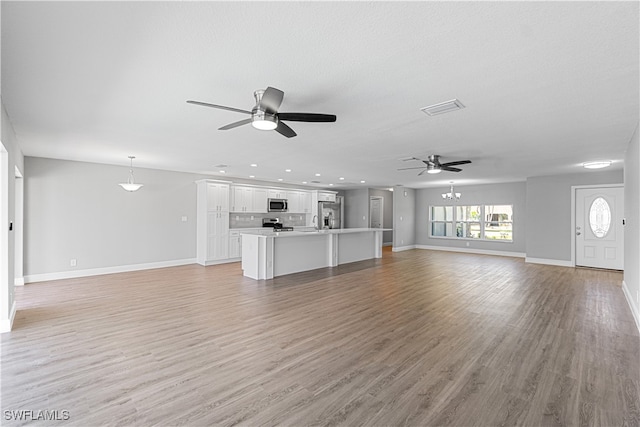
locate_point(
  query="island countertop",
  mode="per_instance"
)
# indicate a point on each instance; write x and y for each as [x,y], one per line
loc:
[301,233]
[268,254]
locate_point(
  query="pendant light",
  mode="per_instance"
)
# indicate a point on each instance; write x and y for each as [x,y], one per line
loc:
[130,185]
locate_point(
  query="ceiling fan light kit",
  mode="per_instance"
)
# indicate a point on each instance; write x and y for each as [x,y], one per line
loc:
[130,185]
[597,165]
[265,115]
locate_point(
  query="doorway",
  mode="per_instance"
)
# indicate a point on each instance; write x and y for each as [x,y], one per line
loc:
[376,212]
[599,234]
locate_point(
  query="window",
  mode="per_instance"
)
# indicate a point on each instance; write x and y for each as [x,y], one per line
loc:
[488,222]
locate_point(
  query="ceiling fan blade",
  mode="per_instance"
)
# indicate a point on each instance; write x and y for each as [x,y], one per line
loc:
[419,167]
[271,99]
[285,130]
[450,169]
[307,117]
[461,162]
[236,124]
[222,107]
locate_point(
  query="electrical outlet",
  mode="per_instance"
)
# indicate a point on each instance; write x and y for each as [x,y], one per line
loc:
[183,218]
[467,244]
[73,262]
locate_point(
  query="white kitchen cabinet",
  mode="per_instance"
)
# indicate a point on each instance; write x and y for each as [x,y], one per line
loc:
[235,244]
[260,200]
[248,199]
[242,199]
[293,199]
[326,196]
[217,197]
[305,202]
[274,193]
[212,221]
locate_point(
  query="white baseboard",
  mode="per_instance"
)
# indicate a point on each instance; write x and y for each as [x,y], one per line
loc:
[6,324]
[558,262]
[220,261]
[472,251]
[18,281]
[403,248]
[31,278]
[388,244]
[632,305]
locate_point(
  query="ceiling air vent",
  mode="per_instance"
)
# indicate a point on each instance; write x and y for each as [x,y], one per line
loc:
[443,107]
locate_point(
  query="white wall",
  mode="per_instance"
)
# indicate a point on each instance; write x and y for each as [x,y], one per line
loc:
[15,160]
[76,210]
[549,232]
[631,285]
[494,194]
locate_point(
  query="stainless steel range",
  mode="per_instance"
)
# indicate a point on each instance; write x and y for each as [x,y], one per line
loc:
[275,224]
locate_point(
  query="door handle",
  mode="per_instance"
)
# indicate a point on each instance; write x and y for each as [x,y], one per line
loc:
[578,233]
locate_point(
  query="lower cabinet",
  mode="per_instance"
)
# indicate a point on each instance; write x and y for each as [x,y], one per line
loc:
[235,244]
[218,236]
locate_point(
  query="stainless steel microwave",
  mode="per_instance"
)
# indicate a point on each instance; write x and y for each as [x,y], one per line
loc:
[278,205]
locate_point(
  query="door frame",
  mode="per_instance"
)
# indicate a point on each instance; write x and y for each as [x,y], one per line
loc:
[574,189]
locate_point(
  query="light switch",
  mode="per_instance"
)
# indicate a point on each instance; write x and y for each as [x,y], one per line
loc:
[183,218]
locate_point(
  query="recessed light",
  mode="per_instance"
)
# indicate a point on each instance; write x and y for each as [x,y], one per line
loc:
[287,170]
[317,174]
[341,178]
[254,165]
[280,179]
[223,171]
[252,176]
[362,182]
[597,165]
[330,185]
[304,182]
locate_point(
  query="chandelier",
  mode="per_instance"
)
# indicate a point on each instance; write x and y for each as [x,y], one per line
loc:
[451,195]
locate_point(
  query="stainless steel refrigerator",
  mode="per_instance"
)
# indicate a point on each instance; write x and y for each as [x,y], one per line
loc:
[331,214]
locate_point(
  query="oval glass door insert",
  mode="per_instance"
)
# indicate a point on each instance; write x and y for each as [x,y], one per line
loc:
[600,217]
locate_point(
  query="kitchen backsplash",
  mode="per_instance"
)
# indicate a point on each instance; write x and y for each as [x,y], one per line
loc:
[244,220]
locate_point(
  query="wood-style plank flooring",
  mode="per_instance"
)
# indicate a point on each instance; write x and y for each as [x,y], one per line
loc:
[417,338]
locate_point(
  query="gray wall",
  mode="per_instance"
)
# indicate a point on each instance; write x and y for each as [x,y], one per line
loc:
[632,216]
[549,232]
[494,194]
[404,217]
[76,210]
[15,160]
[387,196]
[356,207]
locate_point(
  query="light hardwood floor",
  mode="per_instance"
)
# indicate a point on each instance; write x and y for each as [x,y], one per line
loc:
[416,338]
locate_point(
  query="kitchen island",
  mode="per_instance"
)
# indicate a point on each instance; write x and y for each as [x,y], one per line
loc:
[268,255]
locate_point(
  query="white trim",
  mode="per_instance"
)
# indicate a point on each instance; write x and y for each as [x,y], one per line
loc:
[403,248]
[632,305]
[221,261]
[31,278]
[7,324]
[18,281]
[387,244]
[557,262]
[472,251]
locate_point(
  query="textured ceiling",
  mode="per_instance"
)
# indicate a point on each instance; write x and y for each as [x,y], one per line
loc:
[546,85]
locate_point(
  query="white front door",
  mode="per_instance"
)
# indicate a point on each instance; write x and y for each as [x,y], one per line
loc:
[599,231]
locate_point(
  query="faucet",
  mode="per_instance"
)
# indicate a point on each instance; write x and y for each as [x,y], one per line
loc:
[315,222]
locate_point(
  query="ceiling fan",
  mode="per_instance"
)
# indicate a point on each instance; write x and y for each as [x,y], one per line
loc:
[433,165]
[265,115]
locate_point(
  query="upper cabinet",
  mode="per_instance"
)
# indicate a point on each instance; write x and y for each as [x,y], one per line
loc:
[217,197]
[326,196]
[275,193]
[299,201]
[248,199]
